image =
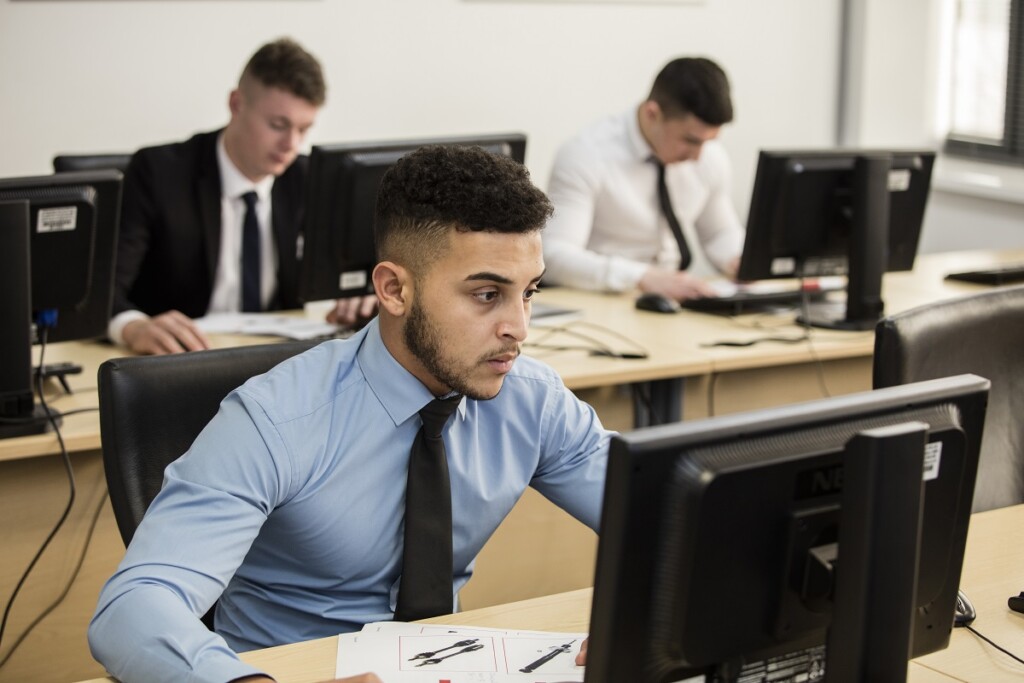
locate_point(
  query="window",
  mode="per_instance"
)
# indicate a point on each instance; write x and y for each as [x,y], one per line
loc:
[985,109]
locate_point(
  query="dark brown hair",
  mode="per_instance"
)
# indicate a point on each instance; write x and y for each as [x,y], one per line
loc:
[285,64]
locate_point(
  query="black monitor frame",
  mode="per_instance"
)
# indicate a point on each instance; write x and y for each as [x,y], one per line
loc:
[65,279]
[338,244]
[692,580]
[837,212]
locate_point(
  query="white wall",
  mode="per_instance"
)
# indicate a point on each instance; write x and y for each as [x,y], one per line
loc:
[95,75]
[88,76]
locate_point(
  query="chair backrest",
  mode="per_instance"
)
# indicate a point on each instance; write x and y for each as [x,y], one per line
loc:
[90,162]
[981,334]
[153,407]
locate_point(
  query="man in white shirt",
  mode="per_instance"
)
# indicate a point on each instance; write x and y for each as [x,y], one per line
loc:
[213,224]
[612,228]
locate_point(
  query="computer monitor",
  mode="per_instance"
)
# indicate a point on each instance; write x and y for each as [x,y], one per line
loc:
[338,251]
[837,212]
[758,540]
[58,275]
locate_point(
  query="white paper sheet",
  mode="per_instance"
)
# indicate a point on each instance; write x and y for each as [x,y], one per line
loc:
[429,653]
[288,326]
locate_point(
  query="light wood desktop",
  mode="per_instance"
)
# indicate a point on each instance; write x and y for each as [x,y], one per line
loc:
[33,486]
[993,570]
[680,345]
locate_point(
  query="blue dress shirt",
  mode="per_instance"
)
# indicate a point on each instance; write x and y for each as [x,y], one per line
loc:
[289,506]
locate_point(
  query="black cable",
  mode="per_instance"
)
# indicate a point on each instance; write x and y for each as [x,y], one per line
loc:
[71,498]
[756,340]
[598,348]
[67,586]
[805,310]
[642,399]
[990,642]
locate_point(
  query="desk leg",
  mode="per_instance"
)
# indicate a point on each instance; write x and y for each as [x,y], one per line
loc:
[658,402]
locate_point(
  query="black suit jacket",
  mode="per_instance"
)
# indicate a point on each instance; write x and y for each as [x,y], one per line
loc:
[169,243]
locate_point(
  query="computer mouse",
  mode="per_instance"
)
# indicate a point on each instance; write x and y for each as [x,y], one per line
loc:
[648,301]
[964,613]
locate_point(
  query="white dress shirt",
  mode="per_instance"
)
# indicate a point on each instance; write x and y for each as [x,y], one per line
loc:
[608,229]
[226,296]
[227,285]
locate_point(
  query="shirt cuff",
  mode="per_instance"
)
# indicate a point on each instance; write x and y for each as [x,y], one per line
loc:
[115,328]
[623,274]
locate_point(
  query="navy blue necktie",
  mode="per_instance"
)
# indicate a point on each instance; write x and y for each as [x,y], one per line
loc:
[250,256]
[426,587]
[665,202]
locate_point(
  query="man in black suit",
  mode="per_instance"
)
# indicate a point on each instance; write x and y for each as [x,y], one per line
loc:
[213,224]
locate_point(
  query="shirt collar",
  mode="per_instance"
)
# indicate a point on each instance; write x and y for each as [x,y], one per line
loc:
[638,146]
[233,182]
[397,389]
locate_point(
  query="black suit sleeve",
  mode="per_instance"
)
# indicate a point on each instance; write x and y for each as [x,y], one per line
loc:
[138,212]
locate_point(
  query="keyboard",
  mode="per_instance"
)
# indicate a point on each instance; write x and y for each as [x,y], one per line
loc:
[1005,274]
[753,297]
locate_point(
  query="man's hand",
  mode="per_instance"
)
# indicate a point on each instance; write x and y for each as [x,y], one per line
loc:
[581,658]
[352,310]
[675,284]
[732,267]
[170,332]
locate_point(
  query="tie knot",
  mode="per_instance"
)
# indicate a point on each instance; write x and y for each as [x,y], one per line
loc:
[250,198]
[436,413]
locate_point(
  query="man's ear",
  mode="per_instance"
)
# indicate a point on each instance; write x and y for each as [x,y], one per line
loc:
[650,111]
[235,101]
[393,285]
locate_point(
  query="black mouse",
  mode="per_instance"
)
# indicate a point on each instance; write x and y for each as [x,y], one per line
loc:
[648,301]
[964,613]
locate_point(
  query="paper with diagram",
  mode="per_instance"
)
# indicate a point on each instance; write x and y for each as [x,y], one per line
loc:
[428,653]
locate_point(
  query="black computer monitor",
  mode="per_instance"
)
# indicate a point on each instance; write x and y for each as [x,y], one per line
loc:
[59,276]
[753,540]
[837,212]
[338,250]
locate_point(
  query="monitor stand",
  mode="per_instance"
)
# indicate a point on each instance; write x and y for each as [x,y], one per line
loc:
[21,416]
[868,251]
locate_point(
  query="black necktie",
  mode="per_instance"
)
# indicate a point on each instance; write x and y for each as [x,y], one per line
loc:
[666,208]
[250,256]
[426,587]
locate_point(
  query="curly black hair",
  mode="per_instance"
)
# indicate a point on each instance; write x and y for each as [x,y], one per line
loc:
[439,188]
[284,64]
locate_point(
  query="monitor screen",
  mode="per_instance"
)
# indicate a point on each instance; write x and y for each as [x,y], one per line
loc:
[338,244]
[63,281]
[724,541]
[837,212]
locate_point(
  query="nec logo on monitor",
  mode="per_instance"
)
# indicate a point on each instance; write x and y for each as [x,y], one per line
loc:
[821,481]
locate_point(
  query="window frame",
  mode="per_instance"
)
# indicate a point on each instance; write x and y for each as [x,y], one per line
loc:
[1011,148]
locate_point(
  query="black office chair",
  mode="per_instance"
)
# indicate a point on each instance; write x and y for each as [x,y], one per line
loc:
[90,162]
[981,334]
[153,407]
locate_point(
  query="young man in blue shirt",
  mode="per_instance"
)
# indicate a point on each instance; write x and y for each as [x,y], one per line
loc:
[289,509]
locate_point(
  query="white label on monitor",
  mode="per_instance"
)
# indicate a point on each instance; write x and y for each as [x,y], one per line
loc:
[932,457]
[355,279]
[783,265]
[899,180]
[57,219]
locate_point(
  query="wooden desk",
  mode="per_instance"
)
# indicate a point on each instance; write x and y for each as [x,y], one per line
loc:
[993,570]
[677,346]
[718,380]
